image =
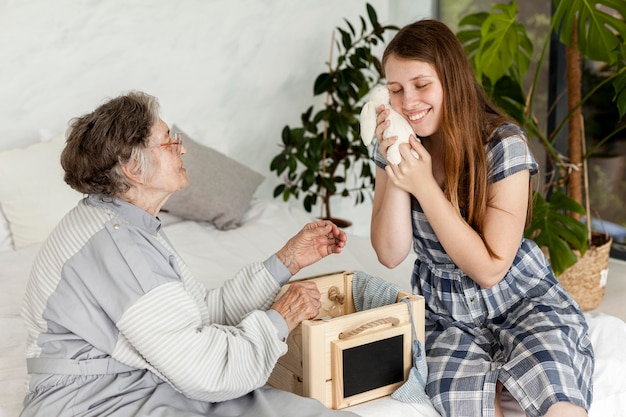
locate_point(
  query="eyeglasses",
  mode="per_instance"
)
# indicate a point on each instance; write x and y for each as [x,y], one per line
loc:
[178,142]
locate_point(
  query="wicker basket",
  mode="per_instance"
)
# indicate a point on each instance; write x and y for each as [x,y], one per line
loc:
[586,279]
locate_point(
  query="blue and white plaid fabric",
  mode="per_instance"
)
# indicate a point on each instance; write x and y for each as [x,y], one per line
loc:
[371,292]
[526,331]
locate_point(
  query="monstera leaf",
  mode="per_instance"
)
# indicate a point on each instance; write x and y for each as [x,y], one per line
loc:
[500,52]
[497,44]
[554,228]
[597,26]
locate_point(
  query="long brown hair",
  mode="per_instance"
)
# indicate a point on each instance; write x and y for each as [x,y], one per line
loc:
[468,118]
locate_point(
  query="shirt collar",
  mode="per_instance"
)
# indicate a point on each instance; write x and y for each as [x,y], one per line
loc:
[127,211]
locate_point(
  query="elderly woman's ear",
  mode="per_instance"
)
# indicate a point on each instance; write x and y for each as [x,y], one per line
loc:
[132,172]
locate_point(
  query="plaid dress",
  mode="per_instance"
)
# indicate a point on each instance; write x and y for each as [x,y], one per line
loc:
[526,331]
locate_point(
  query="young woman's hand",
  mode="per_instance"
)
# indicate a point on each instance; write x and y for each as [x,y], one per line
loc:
[414,174]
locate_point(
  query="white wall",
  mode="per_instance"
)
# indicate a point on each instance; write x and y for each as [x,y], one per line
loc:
[231,73]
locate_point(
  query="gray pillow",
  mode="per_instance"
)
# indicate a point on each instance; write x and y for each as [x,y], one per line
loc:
[220,188]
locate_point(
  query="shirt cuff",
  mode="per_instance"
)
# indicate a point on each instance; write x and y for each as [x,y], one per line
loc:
[282,331]
[278,269]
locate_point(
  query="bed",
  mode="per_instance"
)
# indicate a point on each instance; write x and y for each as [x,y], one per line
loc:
[245,228]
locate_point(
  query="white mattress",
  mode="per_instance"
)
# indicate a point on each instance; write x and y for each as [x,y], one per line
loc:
[214,256]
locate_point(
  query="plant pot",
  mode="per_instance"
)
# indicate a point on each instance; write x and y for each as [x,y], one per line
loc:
[586,279]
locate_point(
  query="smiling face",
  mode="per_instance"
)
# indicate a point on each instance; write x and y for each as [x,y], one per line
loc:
[416,93]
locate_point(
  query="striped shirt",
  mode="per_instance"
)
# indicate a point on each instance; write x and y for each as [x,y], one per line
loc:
[108,285]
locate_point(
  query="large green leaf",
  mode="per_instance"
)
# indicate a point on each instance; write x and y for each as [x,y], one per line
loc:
[504,46]
[499,50]
[553,228]
[470,36]
[497,45]
[597,26]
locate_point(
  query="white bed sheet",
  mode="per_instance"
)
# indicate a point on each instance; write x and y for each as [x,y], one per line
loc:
[215,255]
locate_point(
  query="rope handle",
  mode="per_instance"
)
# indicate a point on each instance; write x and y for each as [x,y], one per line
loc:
[335,295]
[394,321]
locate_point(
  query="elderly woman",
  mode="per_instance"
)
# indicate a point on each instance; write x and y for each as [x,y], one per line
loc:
[116,323]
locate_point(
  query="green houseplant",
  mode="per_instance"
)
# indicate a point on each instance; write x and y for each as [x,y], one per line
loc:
[501,51]
[325,156]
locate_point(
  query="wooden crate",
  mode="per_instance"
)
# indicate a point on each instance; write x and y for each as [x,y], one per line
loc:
[327,354]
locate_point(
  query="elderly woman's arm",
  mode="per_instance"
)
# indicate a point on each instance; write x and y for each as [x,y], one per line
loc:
[220,344]
[210,362]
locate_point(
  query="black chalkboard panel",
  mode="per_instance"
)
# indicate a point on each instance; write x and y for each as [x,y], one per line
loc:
[373,365]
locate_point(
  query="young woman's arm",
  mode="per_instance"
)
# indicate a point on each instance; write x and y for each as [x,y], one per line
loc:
[391,231]
[502,230]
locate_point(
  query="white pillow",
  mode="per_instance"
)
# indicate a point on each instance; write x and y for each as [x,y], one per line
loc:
[33,195]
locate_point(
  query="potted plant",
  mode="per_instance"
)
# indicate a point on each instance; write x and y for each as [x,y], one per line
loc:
[501,52]
[325,156]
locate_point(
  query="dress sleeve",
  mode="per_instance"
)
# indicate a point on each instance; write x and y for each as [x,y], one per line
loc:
[377,157]
[509,155]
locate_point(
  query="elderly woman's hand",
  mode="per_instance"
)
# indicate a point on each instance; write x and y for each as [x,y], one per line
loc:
[300,302]
[315,241]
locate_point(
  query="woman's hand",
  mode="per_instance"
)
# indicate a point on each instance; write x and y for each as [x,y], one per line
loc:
[300,302]
[315,241]
[414,174]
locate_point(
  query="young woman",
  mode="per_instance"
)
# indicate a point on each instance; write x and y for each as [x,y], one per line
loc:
[496,317]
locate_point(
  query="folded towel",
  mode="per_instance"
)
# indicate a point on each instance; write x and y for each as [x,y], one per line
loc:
[371,292]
